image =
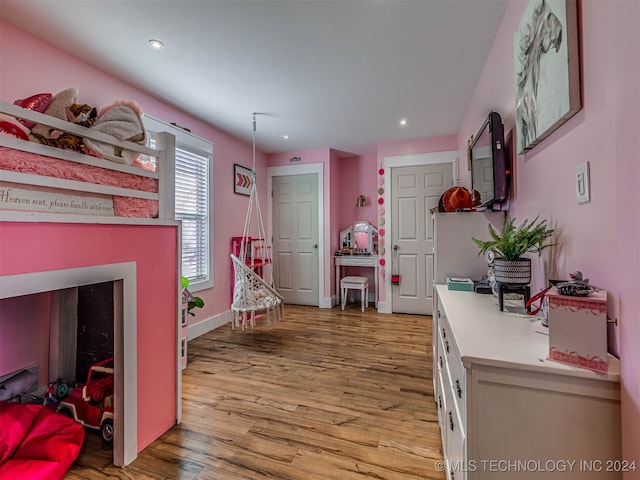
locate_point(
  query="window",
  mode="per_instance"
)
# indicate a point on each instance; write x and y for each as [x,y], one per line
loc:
[194,158]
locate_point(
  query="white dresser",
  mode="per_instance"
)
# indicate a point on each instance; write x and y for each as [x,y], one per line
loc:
[507,412]
[455,254]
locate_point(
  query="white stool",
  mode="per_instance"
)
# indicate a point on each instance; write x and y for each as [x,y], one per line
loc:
[356,283]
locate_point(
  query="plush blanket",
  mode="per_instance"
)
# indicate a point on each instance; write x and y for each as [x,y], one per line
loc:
[26,162]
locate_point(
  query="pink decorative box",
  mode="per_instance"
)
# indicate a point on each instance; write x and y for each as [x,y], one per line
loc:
[578,330]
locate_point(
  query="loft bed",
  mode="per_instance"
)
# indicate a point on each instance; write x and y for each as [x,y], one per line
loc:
[38,179]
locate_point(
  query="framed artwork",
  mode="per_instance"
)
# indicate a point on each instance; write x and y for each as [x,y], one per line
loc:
[547,72]
[242,180]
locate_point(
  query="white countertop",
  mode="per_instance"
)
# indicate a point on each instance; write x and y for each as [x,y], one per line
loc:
[485,335]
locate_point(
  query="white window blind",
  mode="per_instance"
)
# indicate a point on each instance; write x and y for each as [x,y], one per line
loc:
[194,158]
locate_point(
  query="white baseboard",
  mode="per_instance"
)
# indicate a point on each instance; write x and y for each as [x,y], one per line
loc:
[209,324]
[328,302]
[384,307]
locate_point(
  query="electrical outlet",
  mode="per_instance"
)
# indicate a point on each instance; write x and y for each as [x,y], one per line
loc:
[582,183]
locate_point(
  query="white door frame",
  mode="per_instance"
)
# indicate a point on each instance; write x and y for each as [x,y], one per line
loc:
[305,168]
[413,160]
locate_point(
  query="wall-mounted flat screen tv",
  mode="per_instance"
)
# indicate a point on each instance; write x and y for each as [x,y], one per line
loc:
[489,162]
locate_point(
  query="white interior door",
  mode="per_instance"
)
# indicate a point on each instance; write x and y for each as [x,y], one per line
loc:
[295,238]
[414,191]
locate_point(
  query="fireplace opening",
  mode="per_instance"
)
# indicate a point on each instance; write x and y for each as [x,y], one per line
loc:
[79,334]
[70,324]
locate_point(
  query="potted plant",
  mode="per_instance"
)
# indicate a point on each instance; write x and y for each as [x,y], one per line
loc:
[192,301]
[510,244]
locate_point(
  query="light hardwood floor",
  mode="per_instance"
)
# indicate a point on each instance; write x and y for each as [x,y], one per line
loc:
[323,395]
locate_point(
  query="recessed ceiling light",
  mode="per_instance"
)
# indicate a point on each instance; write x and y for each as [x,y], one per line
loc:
[157,44]
[403,122]
[286,137]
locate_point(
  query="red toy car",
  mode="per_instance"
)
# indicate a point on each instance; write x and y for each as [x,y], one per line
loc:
[91,404]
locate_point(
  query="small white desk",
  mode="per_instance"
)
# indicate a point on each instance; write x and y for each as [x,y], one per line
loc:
[356,261]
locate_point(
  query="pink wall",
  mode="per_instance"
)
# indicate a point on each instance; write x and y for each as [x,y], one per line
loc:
[419,145]
[601,237]
[29,65]
[357,176]
[38,247]
[32,329]
[332,233]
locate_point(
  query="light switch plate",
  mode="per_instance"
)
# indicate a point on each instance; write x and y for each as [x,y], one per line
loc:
[582,183]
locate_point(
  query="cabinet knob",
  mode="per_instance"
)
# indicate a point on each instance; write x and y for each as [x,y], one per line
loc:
[439,402]
[446,345]
[444,333]
[451,425]
[458,389]
[438,313]
[441,364]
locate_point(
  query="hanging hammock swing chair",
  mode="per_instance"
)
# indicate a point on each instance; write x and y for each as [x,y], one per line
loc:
[254,296]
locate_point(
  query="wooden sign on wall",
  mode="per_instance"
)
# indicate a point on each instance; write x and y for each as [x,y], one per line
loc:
[31,199]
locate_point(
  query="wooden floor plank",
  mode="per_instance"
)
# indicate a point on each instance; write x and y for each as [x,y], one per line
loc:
[325,394]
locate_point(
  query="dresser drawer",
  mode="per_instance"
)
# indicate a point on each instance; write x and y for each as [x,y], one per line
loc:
[441,403]
[458,388]
[448,351]
[455,439]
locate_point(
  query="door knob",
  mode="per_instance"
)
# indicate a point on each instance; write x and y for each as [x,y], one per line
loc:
[315,246]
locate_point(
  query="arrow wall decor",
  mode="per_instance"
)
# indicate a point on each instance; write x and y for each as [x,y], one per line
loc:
[242,180]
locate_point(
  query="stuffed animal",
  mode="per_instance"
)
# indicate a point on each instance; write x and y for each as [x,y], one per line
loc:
[122,120]
[57,108]
[78,113]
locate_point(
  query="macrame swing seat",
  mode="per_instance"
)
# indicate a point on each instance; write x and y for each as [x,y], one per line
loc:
[254,296]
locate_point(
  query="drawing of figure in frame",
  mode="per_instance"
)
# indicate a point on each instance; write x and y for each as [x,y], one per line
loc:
[546,70]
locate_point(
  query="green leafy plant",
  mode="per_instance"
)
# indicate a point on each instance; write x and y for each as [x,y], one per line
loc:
[192,301]
[514,241]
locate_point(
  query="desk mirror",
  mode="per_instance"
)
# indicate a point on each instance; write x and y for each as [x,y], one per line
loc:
[360,238]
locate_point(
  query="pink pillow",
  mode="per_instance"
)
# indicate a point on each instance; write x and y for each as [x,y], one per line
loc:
[37,103]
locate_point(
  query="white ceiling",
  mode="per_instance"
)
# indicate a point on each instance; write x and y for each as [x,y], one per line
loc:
[329,73]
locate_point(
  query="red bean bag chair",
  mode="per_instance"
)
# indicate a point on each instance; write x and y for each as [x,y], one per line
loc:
[36,443]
